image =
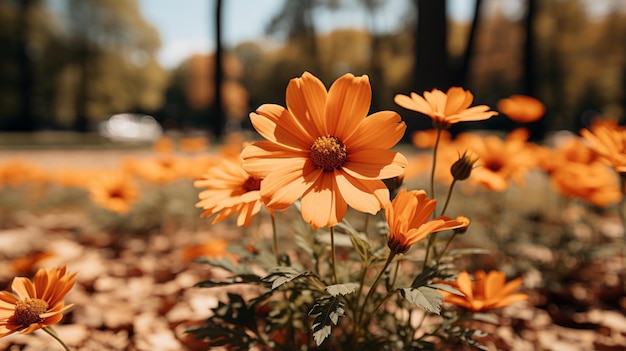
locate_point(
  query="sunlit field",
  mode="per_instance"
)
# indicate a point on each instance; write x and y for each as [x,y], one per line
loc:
[173,248]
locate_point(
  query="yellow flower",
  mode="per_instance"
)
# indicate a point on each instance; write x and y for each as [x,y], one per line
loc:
[325,149]
[486,292]
[230,190]
[408,217]
[522,108]
[446,109]
[115,191]
[38,304]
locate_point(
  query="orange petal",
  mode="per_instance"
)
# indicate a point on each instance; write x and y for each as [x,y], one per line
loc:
[264,157]
[322,204]
[23,287]
[277,124]
[306,99]
[375,164]
[284,186]
[348,102]
[381,130]
[363,195]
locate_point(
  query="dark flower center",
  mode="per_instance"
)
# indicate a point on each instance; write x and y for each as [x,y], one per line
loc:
[493,165]
[328,153]
[28,311]
[251,184]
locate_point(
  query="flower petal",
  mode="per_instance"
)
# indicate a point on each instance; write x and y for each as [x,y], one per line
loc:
[322,204]
[348,103]
[306,99]
[277,124]
[285,185]
[23,287]
[381,130]
[264,157]
[375,164]
[363,195]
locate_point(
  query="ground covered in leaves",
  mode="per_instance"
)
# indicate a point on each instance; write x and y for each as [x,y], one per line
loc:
[135,289]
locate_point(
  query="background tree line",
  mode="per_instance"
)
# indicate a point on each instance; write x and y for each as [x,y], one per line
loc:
[86,60]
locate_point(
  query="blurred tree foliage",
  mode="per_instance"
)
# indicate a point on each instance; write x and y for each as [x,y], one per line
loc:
[86,60]
[77,64]
[576,60]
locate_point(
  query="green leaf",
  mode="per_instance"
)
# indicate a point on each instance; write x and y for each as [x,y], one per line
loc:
[361,245]
[327,311]
[341,289]
[425,297]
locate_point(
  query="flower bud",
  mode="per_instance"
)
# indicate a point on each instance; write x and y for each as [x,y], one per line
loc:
[462,168]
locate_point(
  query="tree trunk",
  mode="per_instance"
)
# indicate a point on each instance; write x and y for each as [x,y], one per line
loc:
[25,120]
[430,50]
[218,119]
[462,73]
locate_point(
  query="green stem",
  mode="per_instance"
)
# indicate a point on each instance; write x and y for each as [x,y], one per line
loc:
[434,164]
[445,205]
[275,240]
[54,334]
[373,287]
[431,239]
[332,254]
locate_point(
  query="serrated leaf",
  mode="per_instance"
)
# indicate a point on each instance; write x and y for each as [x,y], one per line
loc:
[341,289]
[283,275]
[428,298]
[327,311]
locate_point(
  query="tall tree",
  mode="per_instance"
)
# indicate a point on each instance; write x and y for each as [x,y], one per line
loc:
[218,119]
[25,119]
[430,50]
[462,72]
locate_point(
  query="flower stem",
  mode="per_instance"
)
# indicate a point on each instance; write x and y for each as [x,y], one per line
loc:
[54,334]
[332,254]
[445,205]
[275,240]
[373,287]
[434,164]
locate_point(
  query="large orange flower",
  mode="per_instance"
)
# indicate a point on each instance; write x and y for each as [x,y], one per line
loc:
[485,292]
[230,190]
[324,148]
[447,108]
[522,108]
[408,217]
[38,304]
[609,141]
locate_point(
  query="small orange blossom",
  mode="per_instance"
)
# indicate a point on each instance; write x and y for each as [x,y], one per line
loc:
[408,217]
[486,292]
[38,303]
[522,108]
[446,109]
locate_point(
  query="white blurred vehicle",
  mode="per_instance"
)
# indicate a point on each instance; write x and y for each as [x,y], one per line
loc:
[131,127]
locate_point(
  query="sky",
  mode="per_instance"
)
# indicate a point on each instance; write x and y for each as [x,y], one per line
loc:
[186,26]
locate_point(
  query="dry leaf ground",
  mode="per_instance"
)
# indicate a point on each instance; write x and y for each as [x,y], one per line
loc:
[135,289]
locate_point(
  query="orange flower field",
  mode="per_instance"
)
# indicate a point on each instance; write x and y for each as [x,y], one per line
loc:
[327,226]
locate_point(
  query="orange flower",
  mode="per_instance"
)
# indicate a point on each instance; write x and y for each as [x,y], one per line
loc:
[193,144]
[114,190]
[609,141]
[28,263]
[499,160]
[486,292]
[408,216]
[522,108]
[230,190]
[594,182]
[38,304]
[324,148]
[211,248]
[446,109]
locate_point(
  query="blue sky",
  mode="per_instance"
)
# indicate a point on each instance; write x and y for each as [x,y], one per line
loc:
[186,26]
